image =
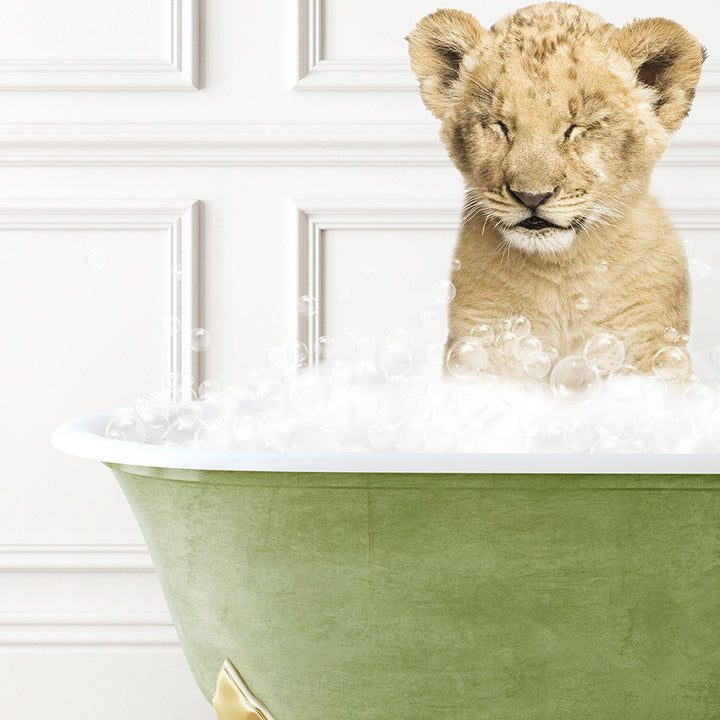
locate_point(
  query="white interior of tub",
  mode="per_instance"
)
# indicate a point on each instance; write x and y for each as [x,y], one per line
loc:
[84,437]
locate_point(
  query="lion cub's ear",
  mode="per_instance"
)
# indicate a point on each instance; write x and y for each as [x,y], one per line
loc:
[438,45]
[667,58]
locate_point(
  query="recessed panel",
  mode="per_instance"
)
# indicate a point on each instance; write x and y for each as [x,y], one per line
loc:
[81,318]
[86,30]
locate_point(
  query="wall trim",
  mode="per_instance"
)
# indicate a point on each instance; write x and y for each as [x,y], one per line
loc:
[83,630]
[181,222]
[284,145]
[89,557]
[318,73]
[178,72]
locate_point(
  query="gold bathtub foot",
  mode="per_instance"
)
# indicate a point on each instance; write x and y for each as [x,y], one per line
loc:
[233,699]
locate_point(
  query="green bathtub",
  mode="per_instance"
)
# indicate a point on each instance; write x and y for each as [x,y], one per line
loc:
[505,588]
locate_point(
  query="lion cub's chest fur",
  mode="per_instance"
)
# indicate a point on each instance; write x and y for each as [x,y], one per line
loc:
[633,283]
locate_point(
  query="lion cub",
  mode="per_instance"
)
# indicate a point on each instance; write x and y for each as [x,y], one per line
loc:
[556,119]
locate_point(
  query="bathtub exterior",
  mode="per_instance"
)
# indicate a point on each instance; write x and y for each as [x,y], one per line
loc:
[361,596]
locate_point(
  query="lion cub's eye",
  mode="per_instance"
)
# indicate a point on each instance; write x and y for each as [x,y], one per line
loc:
[571,132]
[504,128]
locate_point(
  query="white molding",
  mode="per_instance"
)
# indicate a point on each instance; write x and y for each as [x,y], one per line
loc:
[178,72]
[180,220]
[370,75]
[82,630]
[33,557]
[274,145]
[317,216]
[318,73]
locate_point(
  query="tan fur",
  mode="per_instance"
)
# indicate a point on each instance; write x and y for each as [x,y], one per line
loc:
[552,99]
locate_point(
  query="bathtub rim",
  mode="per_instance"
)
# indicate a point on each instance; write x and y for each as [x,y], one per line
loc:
[83,437]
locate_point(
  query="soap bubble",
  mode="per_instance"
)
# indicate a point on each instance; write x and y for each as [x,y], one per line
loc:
[670,335]
[199,339]
[307,306]
[526,346]
[324,347]
[673,431]
[315,439]
[341,373]
[608,445]
[439,436]
[455,265]
[519,326]
[275,435]
[466,360]
[123,426]
[182,431]
[301,353]
[208,390]
[153,424]
[624,384]
[574,381]
[443,291]
[429,320]
[552,352]
[260,379]
[276,404]
[671,363]
[394,360]
[245,433]
[398,336]
[699,400]
[235,400]
[409,435]
[337,415]
[381,436]
[95,260]
[365,348]
[653,389]
[682,340]
[215,433]
[537,365]
[505,342]
[582,303]
[601,266]
[610,424]
[604,353]
[483,334]
[309,393]
[579,435]
[416,385]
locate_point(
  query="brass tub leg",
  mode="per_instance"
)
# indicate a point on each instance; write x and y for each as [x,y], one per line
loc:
[233,699]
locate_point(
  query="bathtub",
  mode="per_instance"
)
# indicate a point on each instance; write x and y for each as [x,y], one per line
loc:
[311,586]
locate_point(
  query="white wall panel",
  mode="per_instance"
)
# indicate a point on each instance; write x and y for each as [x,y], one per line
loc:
[81,44]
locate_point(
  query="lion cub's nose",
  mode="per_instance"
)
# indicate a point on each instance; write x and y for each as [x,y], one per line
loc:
[531,200]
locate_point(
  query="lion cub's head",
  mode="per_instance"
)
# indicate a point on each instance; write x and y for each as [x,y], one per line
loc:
[554,117]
